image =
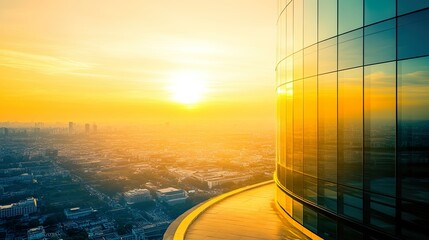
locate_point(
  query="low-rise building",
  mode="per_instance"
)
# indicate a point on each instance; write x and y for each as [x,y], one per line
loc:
[77,212]
[137,195]
[37,233]
[172,196]
[20,208]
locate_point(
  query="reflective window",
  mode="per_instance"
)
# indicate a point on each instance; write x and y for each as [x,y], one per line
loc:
[281,112]
[379,10]
[380,42]
[310,22]
[382,212]
[327,56]
[350,127]
[281,31]
[380,127]
[351,203]
[281,69]
[413,127]
[310,219]
[289,135]
[310,126]
[327,19]
[350,15]
[289,69]
[327,227]
[298,183]
[289,29]
[327,195]
[350,49]
[406,6]
[413,35]
[415,219]
[298,114]
[310,189]
[298,68]
[310,61]
[297,211]
[298,25]
[327,127]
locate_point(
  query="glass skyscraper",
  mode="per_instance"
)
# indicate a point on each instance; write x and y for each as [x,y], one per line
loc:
[353,117]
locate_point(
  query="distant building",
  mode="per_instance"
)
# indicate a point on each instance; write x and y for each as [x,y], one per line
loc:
[36,233]
[71,127]
[215,177]
[20,208]
[77,212]
[94,128]
[172,196]
[150,231]
[137,195]
[87,128]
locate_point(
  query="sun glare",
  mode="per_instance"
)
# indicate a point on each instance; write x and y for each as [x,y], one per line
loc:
[187,87]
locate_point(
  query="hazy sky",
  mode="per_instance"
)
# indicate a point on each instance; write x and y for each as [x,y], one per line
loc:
[112,60]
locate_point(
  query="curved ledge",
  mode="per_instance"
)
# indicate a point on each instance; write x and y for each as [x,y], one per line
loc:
[180,226]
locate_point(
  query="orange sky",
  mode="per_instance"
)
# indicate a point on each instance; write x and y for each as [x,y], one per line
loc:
[108,61]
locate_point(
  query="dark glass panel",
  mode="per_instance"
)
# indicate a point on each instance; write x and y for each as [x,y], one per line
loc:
[327,227]
[298,183]
[327,126]
[327,195]
[350,203]
[310,219]
[413,128]
[310,189]
[380,42]
[406,6]
[380,127]
[382,212]
[350,127]
[379,10]
[413,35]
[415,220]
[350,49]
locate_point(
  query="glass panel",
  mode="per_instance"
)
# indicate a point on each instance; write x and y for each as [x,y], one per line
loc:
[310,126]
[327,19]
[327,127]
[406,6]
[348,233]
[289,135]
[415,218]
[310,22]
[350,202]
[350,127]
[289,69]
[298,114]
[327,195]
[379,10]
[298,24]
[380,127]
[380,42]
[350,15]
[310,219]
[281,68]
[327,227]
[328,56]
[413,128]
[298,68]
[298,183]
[310,189]
[413,37]
[289,29]
[281,113]
[281,31]
[382,213]
[350,49]
[310,61]
[297,211]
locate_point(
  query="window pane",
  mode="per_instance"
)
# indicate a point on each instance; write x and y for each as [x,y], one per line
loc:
[406,6]
[383,212]
[310,189]
[310,61]
[327,124]
[298,68]
[351,203]
[413,37]
[298,114]
[310,219]
[380,42]
[380,127]
[350,15]
[310,126]
[328,56]
[281,113]
[415,219]
[413,127]
[297,211]
[350,127]
[289,69]
[281,31]
[327,19]
[298,24]
[350,49]
[327,195]
[281,69]
[289,29]
[310,22]
[379,10]
[289,135]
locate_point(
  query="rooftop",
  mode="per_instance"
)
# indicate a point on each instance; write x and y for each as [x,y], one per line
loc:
[246,213]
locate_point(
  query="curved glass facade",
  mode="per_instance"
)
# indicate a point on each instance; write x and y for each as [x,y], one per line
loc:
[353,117]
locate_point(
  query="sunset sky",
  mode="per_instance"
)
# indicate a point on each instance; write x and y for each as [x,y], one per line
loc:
[137,61]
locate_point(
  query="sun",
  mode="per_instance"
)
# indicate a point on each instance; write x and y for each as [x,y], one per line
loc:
[187,87]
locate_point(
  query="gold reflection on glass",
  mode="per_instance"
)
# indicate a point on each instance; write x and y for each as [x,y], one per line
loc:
[310,126]
[298,113]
